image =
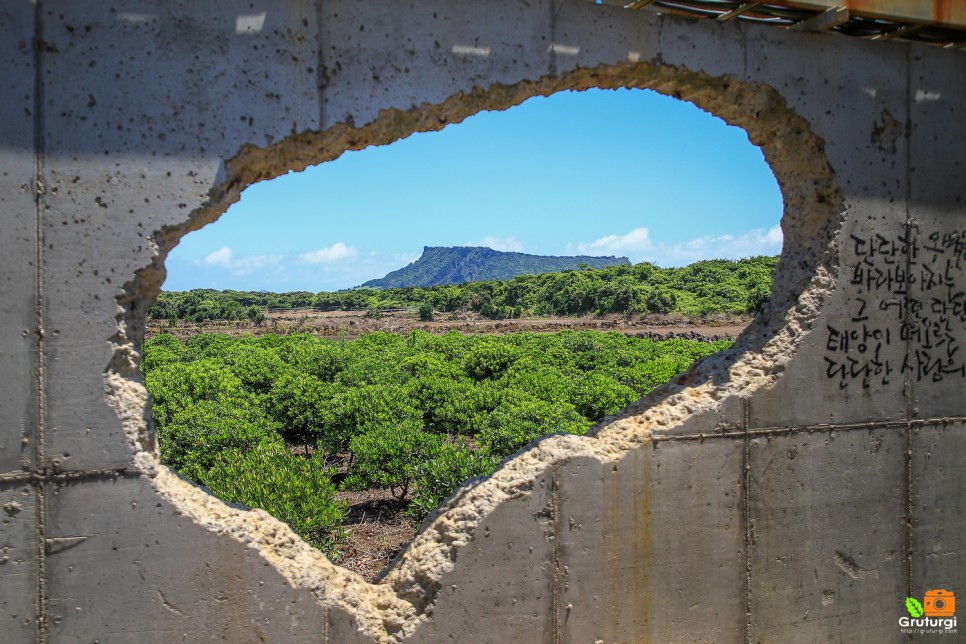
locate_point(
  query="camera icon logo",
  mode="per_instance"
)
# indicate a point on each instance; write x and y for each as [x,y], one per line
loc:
[939,603]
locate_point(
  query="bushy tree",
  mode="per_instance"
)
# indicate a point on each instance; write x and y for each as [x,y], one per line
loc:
[521,419]
[293,489]
[596,395]
[196,434]
[181,384]
[489,358]
[454,464]
[660,300]
[391,456]
[356,410]
[254,314]
[300,403]
[257,367]
[425,312]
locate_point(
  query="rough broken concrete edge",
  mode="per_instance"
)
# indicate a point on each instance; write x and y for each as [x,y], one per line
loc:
[813,216]
[394,607]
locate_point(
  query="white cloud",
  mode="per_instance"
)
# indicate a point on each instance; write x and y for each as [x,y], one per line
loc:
[638,246]
[335,253]
[225,258]
[633,243]
[506,244]
[747,244]
[362,268]
[775,236]
[221,257]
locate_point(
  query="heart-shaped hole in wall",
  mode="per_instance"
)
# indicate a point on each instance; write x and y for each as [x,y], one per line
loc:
[351,414]
[313,405]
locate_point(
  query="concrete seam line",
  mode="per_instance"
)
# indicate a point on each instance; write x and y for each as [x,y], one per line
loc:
[43,476]
[746,513]
[93,475]
[551,52]
[910,227]
[909,511]
[14,480]
[41,409]
[556,532]
[795,429]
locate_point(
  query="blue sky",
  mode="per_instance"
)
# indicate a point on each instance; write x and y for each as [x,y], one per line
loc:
[626,172]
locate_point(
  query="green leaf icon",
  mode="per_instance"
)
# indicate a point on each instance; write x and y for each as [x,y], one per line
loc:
[914,607]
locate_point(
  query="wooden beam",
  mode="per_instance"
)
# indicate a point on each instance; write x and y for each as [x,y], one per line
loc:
[737,11]
[824,21]
[899,33]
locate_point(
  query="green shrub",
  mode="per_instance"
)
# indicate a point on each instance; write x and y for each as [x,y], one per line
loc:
[319,358]
[180,384]
[426,312]
[257,367]
[489,358]
[448,404]
[390,456]
[293,489]
[757,298]
[350,412]
[596,395]
[520,420]
[254,314]
[161,351]
[197,434]
[438,478]
[301,403]
[660,300]
[426,365]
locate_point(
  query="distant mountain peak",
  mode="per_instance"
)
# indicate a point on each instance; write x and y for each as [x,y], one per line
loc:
[440,265]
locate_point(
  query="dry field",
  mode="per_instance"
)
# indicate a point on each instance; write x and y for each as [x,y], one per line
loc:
[350,324]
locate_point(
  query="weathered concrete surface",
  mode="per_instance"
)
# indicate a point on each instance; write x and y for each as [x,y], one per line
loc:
[939,486]
[796,488]
[814,576]
[619,573]
[18,243]
[519,606]
[19,574]
[96,535]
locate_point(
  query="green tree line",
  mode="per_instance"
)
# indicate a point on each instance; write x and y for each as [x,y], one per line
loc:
[263,420]
[711,286]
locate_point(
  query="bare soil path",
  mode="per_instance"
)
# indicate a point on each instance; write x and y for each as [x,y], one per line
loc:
[350,324]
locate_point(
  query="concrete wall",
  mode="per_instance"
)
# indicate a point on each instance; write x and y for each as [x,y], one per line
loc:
[797,488]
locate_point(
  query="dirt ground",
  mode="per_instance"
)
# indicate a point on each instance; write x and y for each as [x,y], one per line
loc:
[350,324]
[377,529]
